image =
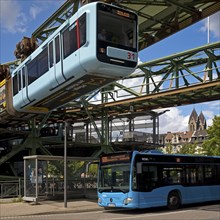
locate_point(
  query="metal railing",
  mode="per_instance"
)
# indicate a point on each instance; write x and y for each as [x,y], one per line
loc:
[9,189]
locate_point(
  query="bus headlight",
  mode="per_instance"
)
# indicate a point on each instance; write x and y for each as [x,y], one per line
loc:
[128,200]
[99,200]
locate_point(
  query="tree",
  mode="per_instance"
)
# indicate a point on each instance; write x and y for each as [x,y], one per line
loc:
[187,148]
[212,145]
[168,149]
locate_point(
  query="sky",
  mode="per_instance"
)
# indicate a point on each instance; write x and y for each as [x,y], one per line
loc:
[19,18]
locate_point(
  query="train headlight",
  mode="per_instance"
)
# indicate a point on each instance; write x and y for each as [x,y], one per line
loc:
[102,50]
[99,200]
[128,200]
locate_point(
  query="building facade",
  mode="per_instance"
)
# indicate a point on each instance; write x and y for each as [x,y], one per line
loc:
[196,133]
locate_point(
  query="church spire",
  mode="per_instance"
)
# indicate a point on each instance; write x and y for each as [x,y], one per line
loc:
[202,122]
[196,122]
[193,119]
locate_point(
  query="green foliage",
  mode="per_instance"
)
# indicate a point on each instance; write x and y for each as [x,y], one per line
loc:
[212,145]
[74,168]
[168,149]
[54,168]
[187,148]
[93,170]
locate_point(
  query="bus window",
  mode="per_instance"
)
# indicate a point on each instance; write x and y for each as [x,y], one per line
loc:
[218,174]
[147,179]
[173,175]
[200,174]
[209,175]
[192,175]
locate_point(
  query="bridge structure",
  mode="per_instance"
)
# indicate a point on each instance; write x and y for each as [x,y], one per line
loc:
[107,119]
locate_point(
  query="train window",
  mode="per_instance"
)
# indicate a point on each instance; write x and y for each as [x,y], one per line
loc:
[42,62]
[38,66]
[19,80]
[15,85]
[69,41]
[82,29]
[23,77]
[51,53]
[32,71]
[57,48]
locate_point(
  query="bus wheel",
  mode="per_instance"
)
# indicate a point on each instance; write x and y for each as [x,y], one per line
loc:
[173,201]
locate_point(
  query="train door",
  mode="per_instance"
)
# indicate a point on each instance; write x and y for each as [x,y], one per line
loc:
[55,62]
[18,91]
[53,81]
[23,83]
[70,42]
[58,60]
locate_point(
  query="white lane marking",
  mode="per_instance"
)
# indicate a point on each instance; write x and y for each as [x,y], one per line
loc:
[144,215]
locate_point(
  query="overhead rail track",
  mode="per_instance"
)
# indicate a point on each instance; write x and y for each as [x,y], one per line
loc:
[184,78]
[188,77]
[157,19]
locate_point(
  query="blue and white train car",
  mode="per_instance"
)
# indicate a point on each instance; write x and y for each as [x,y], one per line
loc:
[93,48]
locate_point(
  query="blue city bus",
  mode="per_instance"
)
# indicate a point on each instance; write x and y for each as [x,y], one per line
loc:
[152,179]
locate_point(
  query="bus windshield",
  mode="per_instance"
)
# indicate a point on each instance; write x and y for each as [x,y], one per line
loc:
[117,27]
[114,178]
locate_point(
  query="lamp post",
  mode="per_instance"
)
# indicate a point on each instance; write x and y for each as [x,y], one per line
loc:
[65,164]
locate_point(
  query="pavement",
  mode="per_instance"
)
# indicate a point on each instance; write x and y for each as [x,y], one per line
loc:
[9,207]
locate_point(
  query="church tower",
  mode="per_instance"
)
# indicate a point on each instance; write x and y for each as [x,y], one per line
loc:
[196,123]
[202,122]
[193,119]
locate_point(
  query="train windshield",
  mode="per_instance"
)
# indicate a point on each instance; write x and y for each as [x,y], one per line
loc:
[116,28]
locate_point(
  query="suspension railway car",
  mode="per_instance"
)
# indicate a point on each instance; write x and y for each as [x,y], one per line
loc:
[96,46]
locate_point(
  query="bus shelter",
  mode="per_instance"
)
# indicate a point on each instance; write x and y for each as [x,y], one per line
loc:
[44,177]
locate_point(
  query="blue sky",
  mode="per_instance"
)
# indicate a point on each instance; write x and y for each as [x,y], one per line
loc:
[19,18]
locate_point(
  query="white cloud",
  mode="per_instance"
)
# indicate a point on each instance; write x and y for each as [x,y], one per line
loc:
[209,115]
[214,25]
[41,6]
[173,121]
[12,19]
[15,19]
[215,105]
[35,10]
